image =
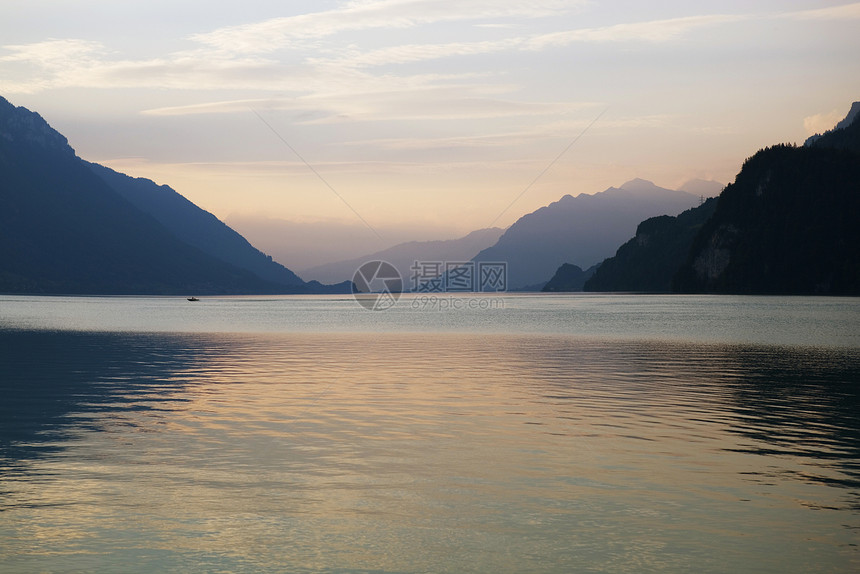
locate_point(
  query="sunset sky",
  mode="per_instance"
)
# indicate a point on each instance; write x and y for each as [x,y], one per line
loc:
[426,115]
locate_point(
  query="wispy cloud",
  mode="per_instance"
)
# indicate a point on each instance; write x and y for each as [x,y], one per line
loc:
[651,31]
[410,53]
[328,80]
[844,12]
[820,123]
[556,129]
[274,34]
[51,52]
[420,102]
[41,65]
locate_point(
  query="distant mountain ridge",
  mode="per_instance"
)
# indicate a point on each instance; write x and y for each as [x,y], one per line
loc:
[649,261]
[582,230]
[403,255]
[194,225]
[568,277]
[788,224]
[65,229]
[702,187]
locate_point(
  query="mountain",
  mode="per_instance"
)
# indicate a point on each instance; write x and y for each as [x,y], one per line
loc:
[846,134]
[789,224]
[404,255]
[845,138]
[702,187]
[568,277]
[64,229]
[194,225]
[649,261]
[582,230]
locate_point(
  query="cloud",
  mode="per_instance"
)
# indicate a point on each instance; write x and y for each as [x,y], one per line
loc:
[274,34]
[294,55]
[425,100]
[820,123]
[650,31]
[46,64]
[410,53]
[52,52]
[563,129]
[655,31]
[844,12]
[328,82]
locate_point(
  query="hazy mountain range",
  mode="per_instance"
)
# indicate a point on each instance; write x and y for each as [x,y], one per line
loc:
[788,224]
[583,230]
[403,256]
[194,225]
[650,260]
[301,245]
[68,226]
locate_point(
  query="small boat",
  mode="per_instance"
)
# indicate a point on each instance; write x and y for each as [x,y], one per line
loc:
[193,299]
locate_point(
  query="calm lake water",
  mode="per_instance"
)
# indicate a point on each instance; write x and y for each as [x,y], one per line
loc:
[560,433]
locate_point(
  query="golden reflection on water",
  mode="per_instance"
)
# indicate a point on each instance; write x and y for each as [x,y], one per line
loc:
[442,453]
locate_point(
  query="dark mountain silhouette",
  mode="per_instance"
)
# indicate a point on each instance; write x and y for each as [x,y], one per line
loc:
[649,261]
[846,134]
[63,229]
[704,188]
[789,224]
[568,277]
[582,230]
[403,255]
[194,225]
[839,137]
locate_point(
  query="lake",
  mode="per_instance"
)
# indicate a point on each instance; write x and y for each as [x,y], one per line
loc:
[512,433]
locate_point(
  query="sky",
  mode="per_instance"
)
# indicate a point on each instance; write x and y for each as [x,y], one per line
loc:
[425,119]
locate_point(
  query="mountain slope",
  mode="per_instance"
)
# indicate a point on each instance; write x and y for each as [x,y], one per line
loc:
[568,278]
[789,224]
[194,225]
[64,230]
[702,187]
[649,261]
[403,255]
[582,230]
[845,135]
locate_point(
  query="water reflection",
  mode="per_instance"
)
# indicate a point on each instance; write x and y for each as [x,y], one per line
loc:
[417,452]
[55,381]
[801,403]
[792,401]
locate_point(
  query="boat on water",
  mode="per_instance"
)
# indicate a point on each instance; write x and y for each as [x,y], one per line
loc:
[193,299]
